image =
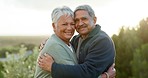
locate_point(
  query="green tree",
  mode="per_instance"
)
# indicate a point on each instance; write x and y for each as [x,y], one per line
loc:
[125,44]
[143,30]
[140,62]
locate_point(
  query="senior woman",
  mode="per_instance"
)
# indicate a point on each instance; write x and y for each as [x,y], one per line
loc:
[58,45]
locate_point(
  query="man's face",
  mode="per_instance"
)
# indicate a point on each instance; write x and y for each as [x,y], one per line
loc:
[65,27]
[84,23]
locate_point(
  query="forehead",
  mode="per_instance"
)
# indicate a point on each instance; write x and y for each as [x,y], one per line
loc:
[81,13]
[65,18]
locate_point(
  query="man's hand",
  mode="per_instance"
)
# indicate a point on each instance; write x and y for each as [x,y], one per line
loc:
[45,62]
[41,46]
[111,72]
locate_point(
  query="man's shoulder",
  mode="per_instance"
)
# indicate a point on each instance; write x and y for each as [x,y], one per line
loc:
[103,34]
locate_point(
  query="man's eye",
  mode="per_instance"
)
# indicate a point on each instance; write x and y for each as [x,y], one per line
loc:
[76,20]
[84,18]
[72,24]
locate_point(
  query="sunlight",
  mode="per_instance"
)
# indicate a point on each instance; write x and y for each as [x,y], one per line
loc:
[21,21]
[131,11]
[111,15]
[121,13]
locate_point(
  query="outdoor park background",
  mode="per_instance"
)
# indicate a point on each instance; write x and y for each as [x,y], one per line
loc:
[26,23]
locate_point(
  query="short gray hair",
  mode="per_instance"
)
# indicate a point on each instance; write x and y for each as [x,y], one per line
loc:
[58,12]
[86,8]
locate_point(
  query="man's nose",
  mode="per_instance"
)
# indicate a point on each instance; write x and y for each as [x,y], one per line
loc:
[80,22]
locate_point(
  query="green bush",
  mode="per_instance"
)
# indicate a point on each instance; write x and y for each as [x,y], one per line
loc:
[9,49]
[21,67]
[14,49]
[1,69]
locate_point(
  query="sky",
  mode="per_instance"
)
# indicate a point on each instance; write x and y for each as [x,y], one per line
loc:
[33,17]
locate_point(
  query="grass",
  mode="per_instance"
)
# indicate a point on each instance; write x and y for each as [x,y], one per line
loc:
[6,41]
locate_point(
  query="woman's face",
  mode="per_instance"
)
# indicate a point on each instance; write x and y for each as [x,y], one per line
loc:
[64,28]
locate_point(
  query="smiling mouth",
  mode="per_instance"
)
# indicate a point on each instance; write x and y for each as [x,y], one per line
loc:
[69,33]
[81,28]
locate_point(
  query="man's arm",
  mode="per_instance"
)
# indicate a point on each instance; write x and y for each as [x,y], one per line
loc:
[44,63]
[93,66]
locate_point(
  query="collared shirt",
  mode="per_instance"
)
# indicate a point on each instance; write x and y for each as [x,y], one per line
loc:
[78,48]
[70,47]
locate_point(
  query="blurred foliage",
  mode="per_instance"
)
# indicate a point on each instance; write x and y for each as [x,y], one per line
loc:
[12,45]
[22,67]
[1,69]
[15,49]
[28,46]
[140,62]
[131,51]
[9,49]
[143,30]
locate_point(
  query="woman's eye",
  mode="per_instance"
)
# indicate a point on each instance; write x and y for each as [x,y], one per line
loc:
[64,24]
[72,24]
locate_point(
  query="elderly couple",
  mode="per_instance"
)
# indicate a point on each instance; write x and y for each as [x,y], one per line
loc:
[91,54]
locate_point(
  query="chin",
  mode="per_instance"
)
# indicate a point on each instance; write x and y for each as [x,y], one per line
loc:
[83,33]
[68,38]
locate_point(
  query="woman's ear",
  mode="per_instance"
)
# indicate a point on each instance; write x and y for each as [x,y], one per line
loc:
[54,27]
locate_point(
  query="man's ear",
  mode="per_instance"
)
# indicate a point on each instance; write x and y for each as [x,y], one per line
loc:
[95,20]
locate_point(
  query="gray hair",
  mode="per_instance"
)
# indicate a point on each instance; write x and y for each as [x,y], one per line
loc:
[86,8]
[58,12]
